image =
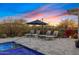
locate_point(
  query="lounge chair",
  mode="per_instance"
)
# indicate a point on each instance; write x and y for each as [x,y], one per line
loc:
[41,35]
[30,34]
[49,36]
[44,35]
[36,34]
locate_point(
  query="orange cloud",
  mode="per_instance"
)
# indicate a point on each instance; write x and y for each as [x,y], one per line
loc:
[38,15]
[53,20]
[53,17]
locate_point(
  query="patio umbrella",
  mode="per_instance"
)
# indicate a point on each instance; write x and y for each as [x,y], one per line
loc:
[38,22]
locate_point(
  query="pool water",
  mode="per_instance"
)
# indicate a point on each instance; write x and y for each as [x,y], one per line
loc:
[12,48]
[7,46]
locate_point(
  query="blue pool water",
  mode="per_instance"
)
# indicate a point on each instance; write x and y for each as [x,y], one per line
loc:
[12,48]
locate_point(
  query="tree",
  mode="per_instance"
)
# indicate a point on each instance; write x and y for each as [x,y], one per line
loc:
[68,23]
[75,12]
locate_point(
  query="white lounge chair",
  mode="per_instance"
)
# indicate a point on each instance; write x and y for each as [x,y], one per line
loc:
[44,35]
[48,36]
[30,34]
[36,34]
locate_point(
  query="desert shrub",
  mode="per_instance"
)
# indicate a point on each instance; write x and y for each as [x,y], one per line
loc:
[2,34]
[12,29]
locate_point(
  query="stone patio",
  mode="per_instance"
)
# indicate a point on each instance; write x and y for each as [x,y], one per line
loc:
[62,46]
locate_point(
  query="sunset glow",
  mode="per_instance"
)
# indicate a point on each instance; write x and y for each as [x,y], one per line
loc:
[52,13]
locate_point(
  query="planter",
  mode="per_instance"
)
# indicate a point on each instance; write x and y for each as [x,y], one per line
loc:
[77,44]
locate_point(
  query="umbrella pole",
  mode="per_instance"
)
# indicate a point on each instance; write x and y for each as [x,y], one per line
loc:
[42,27]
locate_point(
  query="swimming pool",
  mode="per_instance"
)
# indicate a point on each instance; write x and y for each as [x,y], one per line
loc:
[12,48]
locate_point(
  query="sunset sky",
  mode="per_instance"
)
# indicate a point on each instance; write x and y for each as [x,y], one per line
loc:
[52,13]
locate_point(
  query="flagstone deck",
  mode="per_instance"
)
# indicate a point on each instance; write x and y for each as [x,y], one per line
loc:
[62,46]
